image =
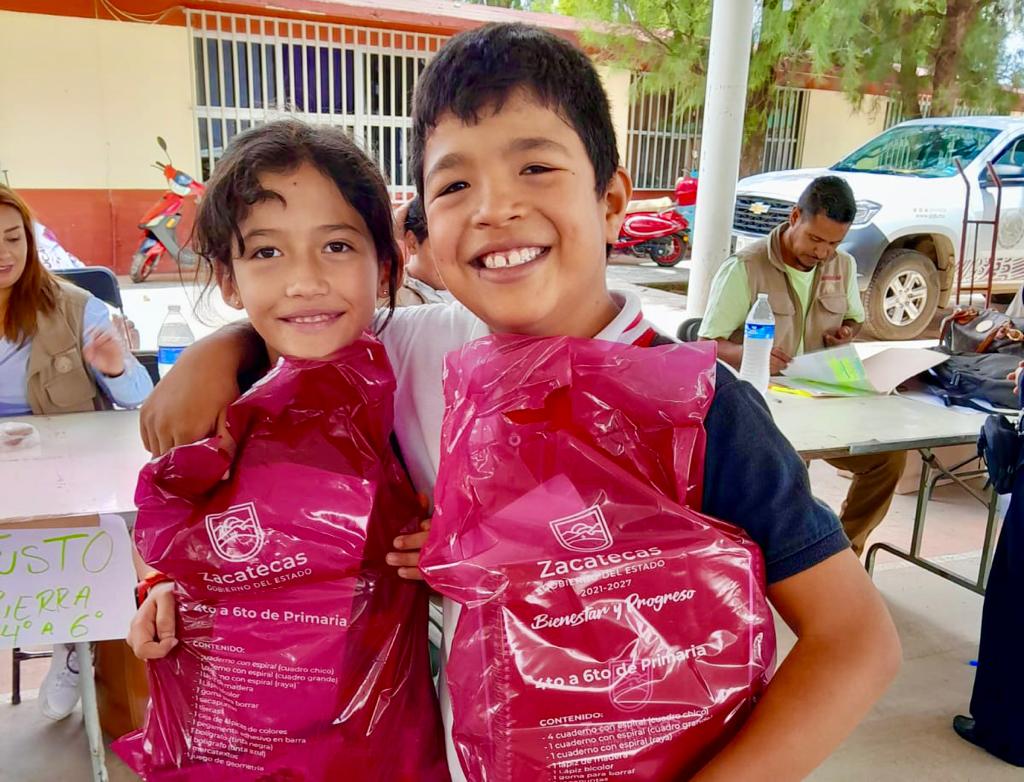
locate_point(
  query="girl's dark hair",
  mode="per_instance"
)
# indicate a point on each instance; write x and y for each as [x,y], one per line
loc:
[283,146]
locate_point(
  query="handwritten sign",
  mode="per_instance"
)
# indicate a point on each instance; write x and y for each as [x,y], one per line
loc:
[65,584]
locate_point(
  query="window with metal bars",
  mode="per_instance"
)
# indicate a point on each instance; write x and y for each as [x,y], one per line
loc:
[665,135]
[249,70]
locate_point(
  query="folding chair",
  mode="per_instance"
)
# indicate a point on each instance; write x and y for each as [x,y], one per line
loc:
[16,659]
[148,359]
[102,284]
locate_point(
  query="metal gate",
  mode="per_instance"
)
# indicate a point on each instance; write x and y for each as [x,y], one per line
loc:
[249,70]
[664,138]
[784,134]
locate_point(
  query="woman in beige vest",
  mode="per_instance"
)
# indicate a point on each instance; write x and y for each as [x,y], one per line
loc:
[58,354]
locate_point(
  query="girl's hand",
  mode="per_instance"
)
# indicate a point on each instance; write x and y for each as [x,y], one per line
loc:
[152,629]
[104,352]
[406,556]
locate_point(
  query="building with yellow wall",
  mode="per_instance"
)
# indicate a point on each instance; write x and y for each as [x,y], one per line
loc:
[88,85]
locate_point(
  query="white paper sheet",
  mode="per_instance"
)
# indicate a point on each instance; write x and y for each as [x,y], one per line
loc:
[856,370]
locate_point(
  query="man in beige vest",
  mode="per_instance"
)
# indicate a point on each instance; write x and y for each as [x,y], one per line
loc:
[812,288]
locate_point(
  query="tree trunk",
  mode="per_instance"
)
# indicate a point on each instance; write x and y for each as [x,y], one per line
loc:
[960,15]
[909,81]
[755,128]
[752,154]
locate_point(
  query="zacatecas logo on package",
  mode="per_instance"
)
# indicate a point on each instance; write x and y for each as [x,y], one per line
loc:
[585,532]
[631,688]
[237,536]
[236,533]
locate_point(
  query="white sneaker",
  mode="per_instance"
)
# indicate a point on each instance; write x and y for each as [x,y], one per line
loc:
[59,693]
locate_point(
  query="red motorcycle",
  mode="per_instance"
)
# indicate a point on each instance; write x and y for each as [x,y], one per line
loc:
[161,223]
[655,229]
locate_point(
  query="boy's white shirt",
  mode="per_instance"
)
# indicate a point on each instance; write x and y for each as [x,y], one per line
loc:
[417,340]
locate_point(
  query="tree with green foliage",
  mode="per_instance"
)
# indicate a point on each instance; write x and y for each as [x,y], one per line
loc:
[671,38]
[863,42]
[955,50]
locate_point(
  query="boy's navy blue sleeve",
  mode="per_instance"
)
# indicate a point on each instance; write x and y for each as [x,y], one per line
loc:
[754,479]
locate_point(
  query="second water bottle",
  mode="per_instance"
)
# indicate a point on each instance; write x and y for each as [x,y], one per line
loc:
[758,340]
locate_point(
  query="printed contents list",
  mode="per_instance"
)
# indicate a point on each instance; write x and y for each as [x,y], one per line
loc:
[232,686]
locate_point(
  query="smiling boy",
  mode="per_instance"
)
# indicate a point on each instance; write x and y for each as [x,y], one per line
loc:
[514,155]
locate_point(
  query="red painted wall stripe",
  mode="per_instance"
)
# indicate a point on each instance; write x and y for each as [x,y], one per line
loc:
[99,226]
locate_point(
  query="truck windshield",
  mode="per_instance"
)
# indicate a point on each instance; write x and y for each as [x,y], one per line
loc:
[919,150]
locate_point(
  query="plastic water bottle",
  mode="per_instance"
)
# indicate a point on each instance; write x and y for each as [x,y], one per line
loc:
[758,339]
[174,337]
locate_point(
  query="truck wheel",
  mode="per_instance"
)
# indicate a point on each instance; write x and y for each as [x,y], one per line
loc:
[902,296]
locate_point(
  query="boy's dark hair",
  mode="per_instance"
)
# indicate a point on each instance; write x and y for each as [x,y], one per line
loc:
[416,220]
[831,196]
[478,69]
[283,146]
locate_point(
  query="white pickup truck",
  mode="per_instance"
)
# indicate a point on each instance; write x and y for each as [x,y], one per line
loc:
[910,209]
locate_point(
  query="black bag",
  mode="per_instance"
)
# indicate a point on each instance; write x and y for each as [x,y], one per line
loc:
[968,379]
[982,331]
[984,346]
[1000,446]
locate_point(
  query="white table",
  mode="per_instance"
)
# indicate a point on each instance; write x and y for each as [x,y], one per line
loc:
[830,428]
[85,463]
[834,427]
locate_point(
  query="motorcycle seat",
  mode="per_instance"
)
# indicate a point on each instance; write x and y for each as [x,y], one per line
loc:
[650,205]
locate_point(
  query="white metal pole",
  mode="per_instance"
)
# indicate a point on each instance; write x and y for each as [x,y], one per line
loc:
[90,710]
[722,136]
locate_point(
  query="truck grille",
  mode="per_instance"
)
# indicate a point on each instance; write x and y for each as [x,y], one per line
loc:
[762,224]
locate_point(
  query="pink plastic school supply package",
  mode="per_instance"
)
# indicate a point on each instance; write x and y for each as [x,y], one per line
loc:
[608,630]
[301,654]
